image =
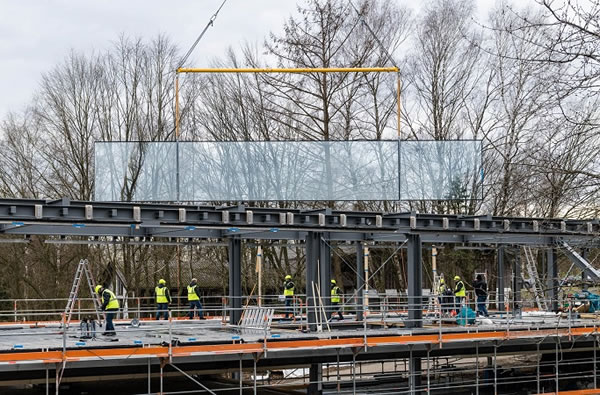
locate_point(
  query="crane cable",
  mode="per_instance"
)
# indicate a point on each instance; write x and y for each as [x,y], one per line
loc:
[391,59]
[381,46]
[209,24]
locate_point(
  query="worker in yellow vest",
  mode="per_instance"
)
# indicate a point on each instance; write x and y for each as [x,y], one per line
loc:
[193,295]
[288,293]
[163,298]
[445,296]
[459,292]
[110,305]
[335,300]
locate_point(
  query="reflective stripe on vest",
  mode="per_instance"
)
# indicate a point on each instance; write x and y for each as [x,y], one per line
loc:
[462,292]
[335,296]
[288,292]
[161,295]
[113,302]
[192,293]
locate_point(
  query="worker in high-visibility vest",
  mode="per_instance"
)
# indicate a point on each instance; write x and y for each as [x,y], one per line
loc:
[193,295]
[288,293]
[335,300]
[460,292]
[163,298]
[445,300]
[110,304]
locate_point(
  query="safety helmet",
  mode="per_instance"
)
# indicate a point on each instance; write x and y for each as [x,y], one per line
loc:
[456,278]
[162,281]
[98,288]
[333,281]
[288,277]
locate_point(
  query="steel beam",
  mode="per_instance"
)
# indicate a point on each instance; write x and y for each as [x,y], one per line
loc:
[235,280]
[315,374]
[584,255]
[415,279]
[87,218]
[517,283]
[500,281]
[414,380]
[312,273]
[360,280]
[325,273]
[552,278]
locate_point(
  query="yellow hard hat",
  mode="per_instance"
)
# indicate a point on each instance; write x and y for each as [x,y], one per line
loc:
[98,288]
[456,278]
[162,281]
[333,281]
[288,277]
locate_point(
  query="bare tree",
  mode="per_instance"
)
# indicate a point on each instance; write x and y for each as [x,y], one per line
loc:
[570,31]
[23,168]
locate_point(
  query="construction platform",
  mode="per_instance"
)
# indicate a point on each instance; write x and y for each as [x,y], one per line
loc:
[28,351]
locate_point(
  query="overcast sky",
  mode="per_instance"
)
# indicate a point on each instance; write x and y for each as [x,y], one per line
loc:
[36,35]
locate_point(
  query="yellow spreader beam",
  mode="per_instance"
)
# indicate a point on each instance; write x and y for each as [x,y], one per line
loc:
[295,70]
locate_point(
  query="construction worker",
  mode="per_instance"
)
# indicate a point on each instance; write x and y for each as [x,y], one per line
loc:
[163,298]
[335,300]
[481,293]
[443,296]
[110,305]
[288,293]
[459,292]
[193,295]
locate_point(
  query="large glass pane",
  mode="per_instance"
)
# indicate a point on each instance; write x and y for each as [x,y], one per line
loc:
[319,170]
[440,170]
[133,171]
[344,170]
[110,171]
[156,178]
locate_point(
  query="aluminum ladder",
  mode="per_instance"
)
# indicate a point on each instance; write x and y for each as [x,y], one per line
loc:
[536,284]
[83,269]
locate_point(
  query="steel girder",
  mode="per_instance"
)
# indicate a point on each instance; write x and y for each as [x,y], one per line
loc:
[82,218]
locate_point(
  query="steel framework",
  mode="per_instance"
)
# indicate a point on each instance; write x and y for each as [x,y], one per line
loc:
[315,229]
[153,222]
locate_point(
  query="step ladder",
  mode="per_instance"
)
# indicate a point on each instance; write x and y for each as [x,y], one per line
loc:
[83,269]
[536,284]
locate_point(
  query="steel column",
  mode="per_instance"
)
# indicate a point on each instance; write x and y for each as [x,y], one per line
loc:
[584,254]
[516,286]
[325,273]
[414,379]
[312,267]
[360,280]
[500,281]
[552,278]
[235,280]
[415,277]
[315,387]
